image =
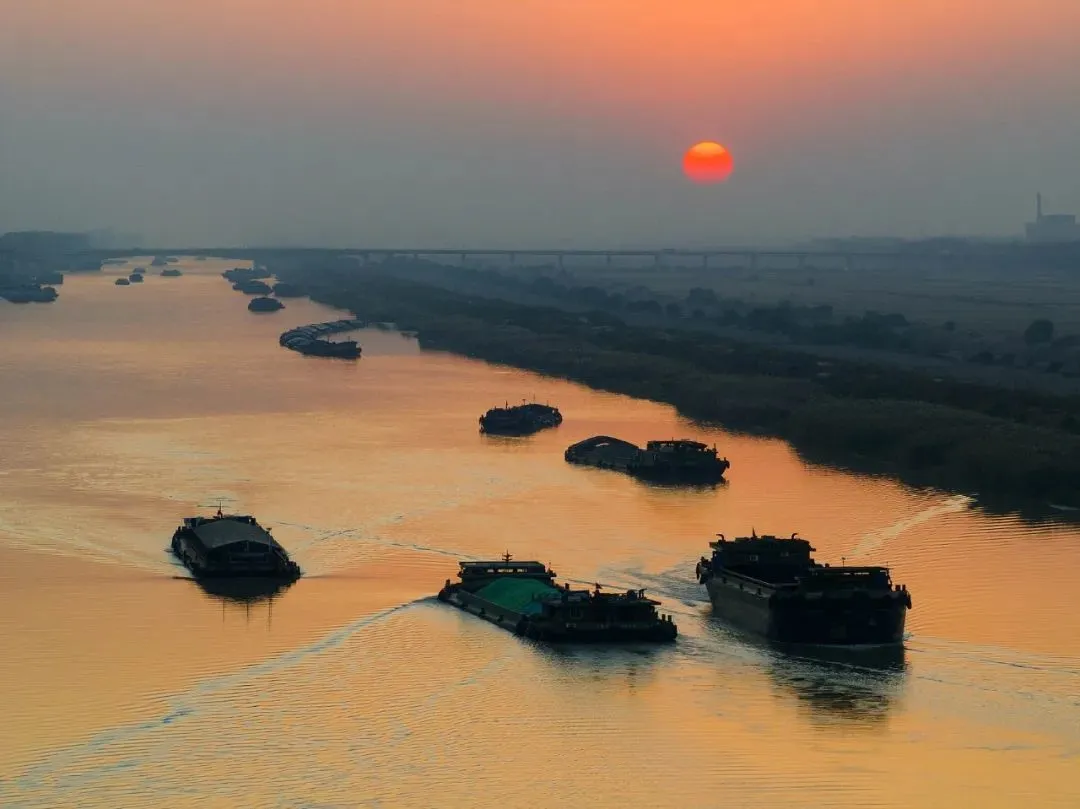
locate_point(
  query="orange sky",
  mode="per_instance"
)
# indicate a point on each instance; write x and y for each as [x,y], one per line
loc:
[772,80]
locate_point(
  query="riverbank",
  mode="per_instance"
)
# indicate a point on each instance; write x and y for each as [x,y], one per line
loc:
[1006,445]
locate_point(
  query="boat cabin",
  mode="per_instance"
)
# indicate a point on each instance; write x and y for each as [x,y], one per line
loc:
[480,573]
[679,446]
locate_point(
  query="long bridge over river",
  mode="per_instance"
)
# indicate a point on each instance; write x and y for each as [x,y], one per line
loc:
[913,255]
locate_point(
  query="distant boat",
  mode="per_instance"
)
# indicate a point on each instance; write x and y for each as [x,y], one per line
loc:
[122,282]
[171,272]
[29,294]
[522,419]
[671,461]
[265,305]
[135,278]
[252,287]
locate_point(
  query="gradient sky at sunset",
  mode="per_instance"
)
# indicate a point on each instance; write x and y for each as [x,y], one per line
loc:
[521,122]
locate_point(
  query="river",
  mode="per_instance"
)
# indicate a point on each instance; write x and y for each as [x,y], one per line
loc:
[123,409]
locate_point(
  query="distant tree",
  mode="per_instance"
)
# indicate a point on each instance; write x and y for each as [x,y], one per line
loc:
[1040,331]
[673,310]
[699,296]
[950,325]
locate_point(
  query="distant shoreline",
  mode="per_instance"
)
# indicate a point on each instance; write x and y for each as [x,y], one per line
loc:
[857,416]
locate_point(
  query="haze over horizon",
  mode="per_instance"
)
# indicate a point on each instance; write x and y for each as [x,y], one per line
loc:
[537,122]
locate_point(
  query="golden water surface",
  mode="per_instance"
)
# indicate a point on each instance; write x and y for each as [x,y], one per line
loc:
[123,683]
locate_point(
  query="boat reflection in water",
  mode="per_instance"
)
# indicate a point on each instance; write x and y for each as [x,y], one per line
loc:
[859,686]
[249,590]
[850,685]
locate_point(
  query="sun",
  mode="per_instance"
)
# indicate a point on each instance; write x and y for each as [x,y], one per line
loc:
[707,162]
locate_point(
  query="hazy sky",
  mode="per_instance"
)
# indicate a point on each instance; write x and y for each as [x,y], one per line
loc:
[535,122]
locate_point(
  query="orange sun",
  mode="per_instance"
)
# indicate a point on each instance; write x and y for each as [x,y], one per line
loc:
[707,162]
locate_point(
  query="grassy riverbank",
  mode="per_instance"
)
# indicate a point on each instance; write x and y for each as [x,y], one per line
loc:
[1008,445]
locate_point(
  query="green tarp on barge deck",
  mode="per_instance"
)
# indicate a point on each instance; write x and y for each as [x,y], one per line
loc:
[515,594]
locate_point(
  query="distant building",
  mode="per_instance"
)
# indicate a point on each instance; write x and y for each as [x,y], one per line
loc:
[1054,227]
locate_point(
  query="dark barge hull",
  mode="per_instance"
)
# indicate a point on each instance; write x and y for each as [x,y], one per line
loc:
[194,558]
[524,626]
[677,475]
[827,622]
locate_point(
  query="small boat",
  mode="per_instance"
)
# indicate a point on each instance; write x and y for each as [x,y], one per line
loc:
[135,278]
[265,305]
[522,597]
[122,282]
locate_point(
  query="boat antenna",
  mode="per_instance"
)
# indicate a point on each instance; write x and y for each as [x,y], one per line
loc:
[507,557]
[753,533]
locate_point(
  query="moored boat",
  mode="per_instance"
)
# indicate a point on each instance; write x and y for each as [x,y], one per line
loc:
[231,545]
[773,587]
[522,597]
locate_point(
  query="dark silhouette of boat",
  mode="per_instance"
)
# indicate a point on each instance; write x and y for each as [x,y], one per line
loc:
[307,339]
[670,461]
[265,305]
[135,278]
[28,293]
[241,274]
[231,546]
[159,261]
[252,287]
[522,597]
[772,586]
[286,290]
[171,272]
[122,282]
[522,419]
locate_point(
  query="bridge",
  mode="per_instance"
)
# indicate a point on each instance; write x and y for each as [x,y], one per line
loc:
[702,257]
[910,255]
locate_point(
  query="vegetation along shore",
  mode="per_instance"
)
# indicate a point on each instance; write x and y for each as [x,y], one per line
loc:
[1002,445]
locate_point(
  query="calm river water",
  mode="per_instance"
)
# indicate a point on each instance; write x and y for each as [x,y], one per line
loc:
[123,409]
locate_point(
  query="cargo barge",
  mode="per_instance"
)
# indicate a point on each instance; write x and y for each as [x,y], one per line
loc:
[670,461]
[522,597]
[307,339]
[772,587]
[523,419]
[231,545]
